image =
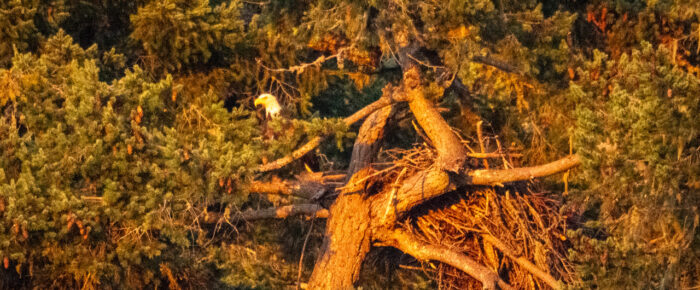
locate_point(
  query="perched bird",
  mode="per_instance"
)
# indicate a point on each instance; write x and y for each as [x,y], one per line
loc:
[272,112]
[284,128]
[269,102]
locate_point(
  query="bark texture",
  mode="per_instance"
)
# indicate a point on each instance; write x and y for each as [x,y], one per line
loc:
[358,218]
[347,238]
[451,154]
[491,177]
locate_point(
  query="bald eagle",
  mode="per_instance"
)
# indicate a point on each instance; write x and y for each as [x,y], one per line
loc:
[269,102]
[272,113]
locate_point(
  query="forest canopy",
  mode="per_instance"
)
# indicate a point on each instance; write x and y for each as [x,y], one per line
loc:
[332,144]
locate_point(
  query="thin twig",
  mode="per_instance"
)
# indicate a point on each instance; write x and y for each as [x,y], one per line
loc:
[481,142]
[303,249]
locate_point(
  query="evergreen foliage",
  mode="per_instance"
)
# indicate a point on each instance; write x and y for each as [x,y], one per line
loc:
[125,124]
[18,29]
[178,32]
[639,139]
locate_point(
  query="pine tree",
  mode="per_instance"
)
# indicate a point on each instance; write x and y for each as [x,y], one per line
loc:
[132,156]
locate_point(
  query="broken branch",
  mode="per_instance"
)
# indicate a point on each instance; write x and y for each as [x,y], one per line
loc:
[306,185]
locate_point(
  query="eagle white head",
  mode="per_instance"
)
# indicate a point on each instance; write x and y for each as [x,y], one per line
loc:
[272,107]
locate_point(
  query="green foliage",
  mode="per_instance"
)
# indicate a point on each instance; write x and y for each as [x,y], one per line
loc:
[101,180]
[178,32]
[124,123]
[638,129]
[18,30]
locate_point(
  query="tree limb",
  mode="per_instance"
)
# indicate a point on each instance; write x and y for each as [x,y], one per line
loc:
[420,250]
[499,64]
[491,177]
[275,186]
[434,182]
[275,212]
[347,239]
[451,153]
[385,100]
[414,190]
[493,155]
[306,185]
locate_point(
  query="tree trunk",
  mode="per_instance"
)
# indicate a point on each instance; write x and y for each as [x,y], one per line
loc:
[347,239]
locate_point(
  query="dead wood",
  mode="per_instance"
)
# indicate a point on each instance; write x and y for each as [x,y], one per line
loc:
[520,236]
[415,190]
[420,250]
[281,212]
[523,262]
[284,212]
[308,185]
[347,238]
[493,177]
[451,154]
[465,238]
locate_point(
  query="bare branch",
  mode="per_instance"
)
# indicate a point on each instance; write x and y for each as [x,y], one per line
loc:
[451,154]
[491,177]
[499,64]
[279,163]
[434,182]
[297,69]
[281,212]
[275,186]
[306,185]
[493,155]
[523,262]
[409,244]
[367,144]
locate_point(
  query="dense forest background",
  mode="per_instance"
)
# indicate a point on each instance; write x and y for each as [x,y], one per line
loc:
[132,155]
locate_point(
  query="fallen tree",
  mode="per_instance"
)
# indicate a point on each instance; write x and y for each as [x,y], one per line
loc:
[386,213]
